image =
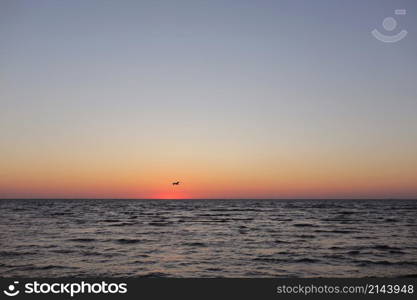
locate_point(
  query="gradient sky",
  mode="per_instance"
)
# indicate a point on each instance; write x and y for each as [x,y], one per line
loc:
[236,99]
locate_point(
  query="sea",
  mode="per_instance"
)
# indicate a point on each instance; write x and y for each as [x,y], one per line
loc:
[208,238]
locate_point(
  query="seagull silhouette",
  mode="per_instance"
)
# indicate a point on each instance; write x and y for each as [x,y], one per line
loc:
[176,183]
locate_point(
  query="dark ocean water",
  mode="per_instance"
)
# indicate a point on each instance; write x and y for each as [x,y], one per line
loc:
[208,238]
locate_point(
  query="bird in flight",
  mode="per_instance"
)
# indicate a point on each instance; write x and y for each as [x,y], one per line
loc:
[176,183]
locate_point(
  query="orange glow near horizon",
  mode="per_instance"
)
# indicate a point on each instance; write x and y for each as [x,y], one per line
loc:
[234,177]
[170,195]
[206,171]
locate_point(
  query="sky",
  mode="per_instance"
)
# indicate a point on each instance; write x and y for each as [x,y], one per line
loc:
[235,99]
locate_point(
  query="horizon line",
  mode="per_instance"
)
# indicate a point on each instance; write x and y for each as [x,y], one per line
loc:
[296,199]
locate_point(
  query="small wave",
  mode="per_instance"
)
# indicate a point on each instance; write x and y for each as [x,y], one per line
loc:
[92,253]
[110,221]
[63,251]
[281,260]
[48,267]
[385,247]
[159,223]
[60,214]
[270,260]
[83,240]
[347,212]
[304,225]
[341,231]
[338,231]
[14,253]
[142,255]
[155,275]
[391,220]
[334,256]
[237,209]
[396,252]
[128,241]
[347,222]
[18,209]
[217,221]
[306,260]
[196,244]
[122,224]
[214,215]
[29,246]
[384,262]
[281,242]
[332,219]
[214,269]
[306,236]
